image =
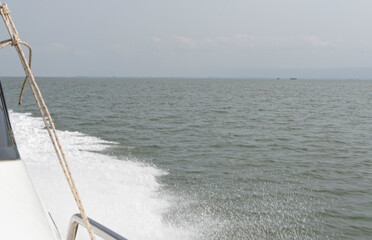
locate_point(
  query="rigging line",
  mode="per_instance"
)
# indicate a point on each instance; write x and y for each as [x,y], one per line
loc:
[29,64]
[48,121]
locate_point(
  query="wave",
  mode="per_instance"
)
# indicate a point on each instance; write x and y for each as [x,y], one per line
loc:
[122,193]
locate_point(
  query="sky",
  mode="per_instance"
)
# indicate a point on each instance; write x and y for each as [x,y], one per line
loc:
[193,38]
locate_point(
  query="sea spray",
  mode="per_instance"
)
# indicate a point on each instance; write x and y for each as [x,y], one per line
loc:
[121,193]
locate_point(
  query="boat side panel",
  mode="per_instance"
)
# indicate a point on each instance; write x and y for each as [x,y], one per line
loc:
[8,147]
[21,213]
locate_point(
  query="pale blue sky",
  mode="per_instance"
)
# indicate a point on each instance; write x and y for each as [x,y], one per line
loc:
[193,38]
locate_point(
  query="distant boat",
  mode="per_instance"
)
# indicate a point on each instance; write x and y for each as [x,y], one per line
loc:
[293,78]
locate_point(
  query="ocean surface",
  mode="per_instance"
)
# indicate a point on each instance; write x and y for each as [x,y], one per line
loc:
[205,158]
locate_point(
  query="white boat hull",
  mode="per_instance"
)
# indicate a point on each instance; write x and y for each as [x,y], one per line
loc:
[21,211]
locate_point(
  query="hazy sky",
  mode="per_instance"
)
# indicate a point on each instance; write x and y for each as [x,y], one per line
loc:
[191,38]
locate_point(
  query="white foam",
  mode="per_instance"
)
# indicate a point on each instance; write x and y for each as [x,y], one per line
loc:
[123,194]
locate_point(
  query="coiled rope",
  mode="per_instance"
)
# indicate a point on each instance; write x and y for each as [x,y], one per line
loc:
[48,121]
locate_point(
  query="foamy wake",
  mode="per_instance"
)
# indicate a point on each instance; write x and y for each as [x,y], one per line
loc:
[123,194]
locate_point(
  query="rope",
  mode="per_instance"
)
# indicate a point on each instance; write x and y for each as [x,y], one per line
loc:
[48,121]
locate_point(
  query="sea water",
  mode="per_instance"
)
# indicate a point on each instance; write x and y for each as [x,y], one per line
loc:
[205,158]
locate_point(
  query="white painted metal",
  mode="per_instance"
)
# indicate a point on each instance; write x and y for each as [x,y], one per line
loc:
[22,215]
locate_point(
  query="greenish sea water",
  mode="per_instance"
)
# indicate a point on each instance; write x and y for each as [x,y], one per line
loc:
[233,159]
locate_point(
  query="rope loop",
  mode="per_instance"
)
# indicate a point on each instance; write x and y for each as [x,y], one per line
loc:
[15,40]
[48,121]
[5,8]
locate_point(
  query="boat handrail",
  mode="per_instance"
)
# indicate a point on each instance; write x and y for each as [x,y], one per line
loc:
[98,229]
